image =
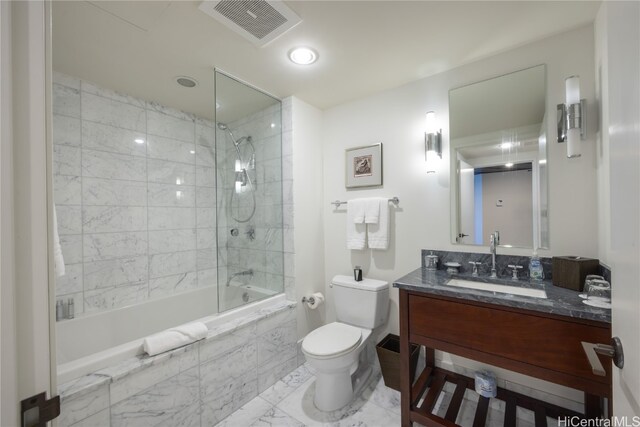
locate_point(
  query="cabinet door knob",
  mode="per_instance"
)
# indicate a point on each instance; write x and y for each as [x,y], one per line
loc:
[614,350]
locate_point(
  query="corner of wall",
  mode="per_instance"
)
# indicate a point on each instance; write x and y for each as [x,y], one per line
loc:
[306,158]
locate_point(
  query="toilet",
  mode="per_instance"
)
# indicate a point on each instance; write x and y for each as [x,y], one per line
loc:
[335,350]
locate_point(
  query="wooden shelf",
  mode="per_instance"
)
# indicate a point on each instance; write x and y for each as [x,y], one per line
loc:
[430,384]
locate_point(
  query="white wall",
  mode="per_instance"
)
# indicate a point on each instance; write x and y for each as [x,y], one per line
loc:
[514,218]
[396,118]
[308,223]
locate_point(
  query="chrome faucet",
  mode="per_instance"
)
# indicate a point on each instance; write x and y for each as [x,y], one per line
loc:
[494,241]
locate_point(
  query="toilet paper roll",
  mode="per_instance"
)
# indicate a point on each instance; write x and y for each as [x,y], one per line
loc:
[486,384]
[318,299]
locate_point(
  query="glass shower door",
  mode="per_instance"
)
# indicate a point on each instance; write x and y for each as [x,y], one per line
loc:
[249,193]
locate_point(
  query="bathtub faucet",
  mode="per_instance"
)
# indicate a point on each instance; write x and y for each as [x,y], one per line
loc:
[248,272]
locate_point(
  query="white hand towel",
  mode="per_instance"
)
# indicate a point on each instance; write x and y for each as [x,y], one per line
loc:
[57,249]
[356,207]
[175,337]
[356,232]
[378,234]
[372,209]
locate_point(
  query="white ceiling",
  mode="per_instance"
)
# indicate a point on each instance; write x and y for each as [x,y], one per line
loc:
[138,47]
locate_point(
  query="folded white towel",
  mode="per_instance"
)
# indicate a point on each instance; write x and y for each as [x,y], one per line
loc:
[372,209]
[174,338]
[57,249]
[356,232]
[378,234]
[356,207]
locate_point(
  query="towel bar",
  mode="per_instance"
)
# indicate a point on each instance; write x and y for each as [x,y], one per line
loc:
[393,200]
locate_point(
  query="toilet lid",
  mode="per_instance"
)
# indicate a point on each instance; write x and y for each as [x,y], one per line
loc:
[332,340]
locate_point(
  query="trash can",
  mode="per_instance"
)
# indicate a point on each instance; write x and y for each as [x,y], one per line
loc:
[389,356]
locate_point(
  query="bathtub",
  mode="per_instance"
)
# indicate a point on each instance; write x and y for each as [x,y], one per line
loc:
[235,296]
[96,341]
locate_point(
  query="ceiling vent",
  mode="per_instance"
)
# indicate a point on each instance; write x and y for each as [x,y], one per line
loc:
[259,21]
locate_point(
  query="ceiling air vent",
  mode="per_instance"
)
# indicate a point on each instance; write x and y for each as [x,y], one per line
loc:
[259,21]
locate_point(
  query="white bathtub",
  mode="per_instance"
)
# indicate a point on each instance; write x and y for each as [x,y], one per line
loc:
[235,296]
[96,341]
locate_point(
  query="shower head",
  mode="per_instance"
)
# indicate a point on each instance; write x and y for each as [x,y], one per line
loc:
[222,126]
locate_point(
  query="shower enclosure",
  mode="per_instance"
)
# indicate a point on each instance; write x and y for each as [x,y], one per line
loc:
[248,157]
[163,214]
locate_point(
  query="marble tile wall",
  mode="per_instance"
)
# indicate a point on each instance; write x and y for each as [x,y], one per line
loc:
[270,252]
[134,188]
[197,385]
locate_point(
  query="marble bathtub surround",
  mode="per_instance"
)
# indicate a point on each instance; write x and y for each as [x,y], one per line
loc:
[199,384]
[134,187]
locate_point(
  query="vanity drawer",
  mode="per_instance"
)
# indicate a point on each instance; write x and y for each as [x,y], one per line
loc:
[533,342]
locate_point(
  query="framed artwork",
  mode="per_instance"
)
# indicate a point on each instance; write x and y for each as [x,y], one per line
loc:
[363,166]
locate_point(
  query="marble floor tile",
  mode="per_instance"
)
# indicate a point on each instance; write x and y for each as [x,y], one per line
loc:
[286,385]
[289,402]
[382,395]
[299,405]
[370,415]
[248,414]
[275,417]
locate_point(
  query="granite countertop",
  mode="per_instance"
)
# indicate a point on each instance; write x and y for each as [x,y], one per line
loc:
[559,301]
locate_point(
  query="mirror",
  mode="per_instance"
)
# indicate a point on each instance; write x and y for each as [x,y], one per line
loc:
[499,160]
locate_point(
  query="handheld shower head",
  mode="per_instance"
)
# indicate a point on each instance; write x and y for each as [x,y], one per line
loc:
[222,126]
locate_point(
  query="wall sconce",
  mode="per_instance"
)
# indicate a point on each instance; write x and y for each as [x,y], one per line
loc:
[432,142]
[572,118]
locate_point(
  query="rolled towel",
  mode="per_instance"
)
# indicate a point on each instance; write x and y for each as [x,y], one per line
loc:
[174,338]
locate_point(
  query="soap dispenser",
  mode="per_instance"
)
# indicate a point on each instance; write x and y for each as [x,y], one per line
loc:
[535,267]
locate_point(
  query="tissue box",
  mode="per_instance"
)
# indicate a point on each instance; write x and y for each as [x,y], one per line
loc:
[570,271]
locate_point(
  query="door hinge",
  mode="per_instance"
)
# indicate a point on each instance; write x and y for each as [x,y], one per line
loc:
[37,411]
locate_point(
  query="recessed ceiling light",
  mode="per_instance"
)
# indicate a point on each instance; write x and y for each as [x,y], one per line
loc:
[505,145]
[509,165]
[192,151]
[186,81]
[139,141]
[303,55]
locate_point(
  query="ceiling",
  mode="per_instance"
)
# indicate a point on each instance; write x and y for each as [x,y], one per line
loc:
[139,47]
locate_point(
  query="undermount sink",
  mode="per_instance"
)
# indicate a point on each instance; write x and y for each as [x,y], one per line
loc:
[493,287]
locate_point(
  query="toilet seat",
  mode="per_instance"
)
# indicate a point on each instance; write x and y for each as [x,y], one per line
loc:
[331,340]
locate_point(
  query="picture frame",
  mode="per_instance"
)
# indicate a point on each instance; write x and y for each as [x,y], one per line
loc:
[363,166]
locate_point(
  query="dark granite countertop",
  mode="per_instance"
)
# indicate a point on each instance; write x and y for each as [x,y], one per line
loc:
[559,301]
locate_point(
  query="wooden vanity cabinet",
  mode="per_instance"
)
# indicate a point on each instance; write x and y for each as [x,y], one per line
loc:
[545,346]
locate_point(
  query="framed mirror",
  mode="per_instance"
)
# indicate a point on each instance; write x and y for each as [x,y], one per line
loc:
[499,174]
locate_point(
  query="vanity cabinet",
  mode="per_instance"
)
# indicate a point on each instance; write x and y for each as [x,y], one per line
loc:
[541,345]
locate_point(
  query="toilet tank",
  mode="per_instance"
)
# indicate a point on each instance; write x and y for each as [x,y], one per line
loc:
[364,304]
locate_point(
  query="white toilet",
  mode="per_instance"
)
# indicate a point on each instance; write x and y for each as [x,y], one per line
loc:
[333,350]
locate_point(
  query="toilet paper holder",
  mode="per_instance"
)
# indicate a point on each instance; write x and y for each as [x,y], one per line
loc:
[310,300]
